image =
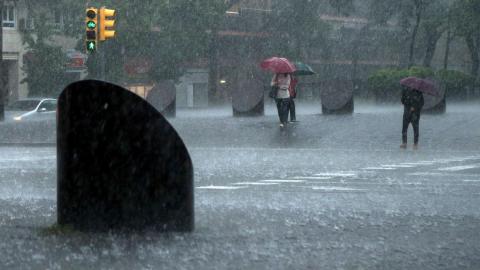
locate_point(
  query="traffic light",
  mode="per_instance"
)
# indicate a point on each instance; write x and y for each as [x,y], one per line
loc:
[91,23]
[107,23]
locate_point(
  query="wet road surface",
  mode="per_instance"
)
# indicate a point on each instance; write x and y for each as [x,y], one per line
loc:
[328,193]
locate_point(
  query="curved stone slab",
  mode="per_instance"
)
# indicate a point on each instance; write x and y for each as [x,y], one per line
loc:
[163,97]
[433,102]
[336,94]
[121,165]
[248,96]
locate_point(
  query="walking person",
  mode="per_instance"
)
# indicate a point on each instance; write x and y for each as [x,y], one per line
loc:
[413,102]
[282,81]
[293,94]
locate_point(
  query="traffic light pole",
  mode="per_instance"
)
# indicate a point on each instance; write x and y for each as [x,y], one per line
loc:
[102,62]
[99,27]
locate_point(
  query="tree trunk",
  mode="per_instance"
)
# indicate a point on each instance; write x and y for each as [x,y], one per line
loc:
[432,39]
[447,48]
[472,43]
[2,83]
[213,68]
[414,34]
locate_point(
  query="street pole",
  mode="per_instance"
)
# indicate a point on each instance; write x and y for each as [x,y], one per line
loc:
[102,62]
[2,83]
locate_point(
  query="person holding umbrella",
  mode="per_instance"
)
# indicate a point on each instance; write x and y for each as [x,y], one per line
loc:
[412,100]
[281,82]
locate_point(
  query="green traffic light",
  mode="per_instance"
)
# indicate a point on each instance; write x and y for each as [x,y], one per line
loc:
[91,46]
[91,25]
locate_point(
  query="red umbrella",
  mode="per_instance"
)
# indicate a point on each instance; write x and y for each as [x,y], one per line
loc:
[278,65]
[422,85]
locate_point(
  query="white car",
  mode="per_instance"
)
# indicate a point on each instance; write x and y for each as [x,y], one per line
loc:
[31,109]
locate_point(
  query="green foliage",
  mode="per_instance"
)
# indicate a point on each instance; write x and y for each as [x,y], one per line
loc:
[45,63]
[167,34]
[45,70]
[466,23]
[56,229]
[385,83]
[296,28]
[421,72]
[455,82]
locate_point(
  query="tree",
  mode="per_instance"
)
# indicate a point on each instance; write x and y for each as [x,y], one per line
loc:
[296,29]
[45,61]
[2,83]
[434,24]
[408,14]
[466,22]
[167,34]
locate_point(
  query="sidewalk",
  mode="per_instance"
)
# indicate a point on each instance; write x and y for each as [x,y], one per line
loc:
[369,128]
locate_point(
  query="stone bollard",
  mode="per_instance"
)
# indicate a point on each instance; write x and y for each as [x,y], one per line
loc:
[121,165]
[163,97]
[248,97]
[435,104]
[337,97]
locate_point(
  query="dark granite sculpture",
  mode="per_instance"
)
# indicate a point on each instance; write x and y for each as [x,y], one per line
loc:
[163,98]
[248,96]
[337,97]
[121,165]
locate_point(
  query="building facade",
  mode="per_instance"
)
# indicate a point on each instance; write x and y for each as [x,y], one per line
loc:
[15,20]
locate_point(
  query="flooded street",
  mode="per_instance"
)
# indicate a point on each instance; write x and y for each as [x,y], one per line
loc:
[366,205]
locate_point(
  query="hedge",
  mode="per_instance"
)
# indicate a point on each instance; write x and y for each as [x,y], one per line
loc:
[385,83]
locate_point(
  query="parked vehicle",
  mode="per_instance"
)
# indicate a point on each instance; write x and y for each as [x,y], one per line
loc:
[31,109]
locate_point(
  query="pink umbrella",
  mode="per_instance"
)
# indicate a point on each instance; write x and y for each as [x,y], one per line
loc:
[278,65]
[422,85]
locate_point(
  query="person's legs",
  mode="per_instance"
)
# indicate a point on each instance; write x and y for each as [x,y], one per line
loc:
[279,108]
[406,122]
[416,128]
[284,110]
[292,110]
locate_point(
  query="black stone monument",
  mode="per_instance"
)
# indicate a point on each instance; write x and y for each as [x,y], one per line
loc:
[337,97]
[435,104]
[163,97]
[248,96]
[121,165]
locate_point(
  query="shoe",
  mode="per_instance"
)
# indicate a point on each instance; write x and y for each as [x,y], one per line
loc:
[403,146]
[415,146]
[282,125]
[294,120]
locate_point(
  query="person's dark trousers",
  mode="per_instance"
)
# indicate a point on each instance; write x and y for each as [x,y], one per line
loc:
[283,105]
[292,110]
[414,118]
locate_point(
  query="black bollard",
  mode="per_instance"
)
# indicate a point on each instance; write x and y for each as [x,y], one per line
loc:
[121,165]
[248,96]
[163,97]
[337,97]
[435,104]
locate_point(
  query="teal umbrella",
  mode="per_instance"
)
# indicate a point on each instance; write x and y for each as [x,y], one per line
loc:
[303,69]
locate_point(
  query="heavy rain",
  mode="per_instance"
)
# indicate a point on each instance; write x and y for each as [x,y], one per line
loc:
[240,134]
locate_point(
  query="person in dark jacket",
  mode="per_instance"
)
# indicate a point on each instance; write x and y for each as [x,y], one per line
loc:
[413,102]
[293,94]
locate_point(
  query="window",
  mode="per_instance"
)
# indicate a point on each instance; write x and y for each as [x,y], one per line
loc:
[57,19]
[48,106]
[8,16]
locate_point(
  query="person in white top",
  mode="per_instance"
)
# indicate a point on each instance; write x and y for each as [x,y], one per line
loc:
[282,81]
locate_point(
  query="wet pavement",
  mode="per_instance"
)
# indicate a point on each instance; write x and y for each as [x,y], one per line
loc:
[329,192]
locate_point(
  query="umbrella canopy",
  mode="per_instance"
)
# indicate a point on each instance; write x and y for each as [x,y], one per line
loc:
[303,69]
[278,65]
[422,85]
